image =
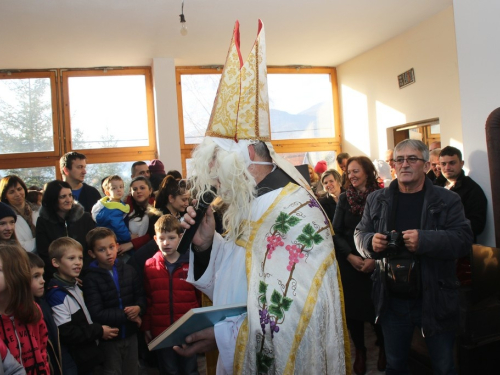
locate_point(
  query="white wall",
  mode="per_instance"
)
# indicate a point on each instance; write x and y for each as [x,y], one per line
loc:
[167,122]
[478,47]
[370,96]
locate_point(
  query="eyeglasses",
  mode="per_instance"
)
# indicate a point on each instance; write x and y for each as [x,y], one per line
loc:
[410,159]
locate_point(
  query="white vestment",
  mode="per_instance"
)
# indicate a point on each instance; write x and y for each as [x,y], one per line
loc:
[312,339]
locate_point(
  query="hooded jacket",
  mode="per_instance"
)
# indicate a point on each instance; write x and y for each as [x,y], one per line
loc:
[76,329]
[106,302]
[445,236]
[112,215]
[51,226]
[169,295]
[26,342]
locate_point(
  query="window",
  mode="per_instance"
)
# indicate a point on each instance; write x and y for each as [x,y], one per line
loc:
[303,106]
[28,105]
[106,114]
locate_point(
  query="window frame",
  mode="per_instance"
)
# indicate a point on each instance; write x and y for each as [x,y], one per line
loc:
[62,126]
[280,146]
[104,155]
[33,158]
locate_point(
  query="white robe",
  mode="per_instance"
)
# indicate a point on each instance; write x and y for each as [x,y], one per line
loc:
[225,282]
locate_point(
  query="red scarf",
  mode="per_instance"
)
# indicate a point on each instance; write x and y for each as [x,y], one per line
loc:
[357,199]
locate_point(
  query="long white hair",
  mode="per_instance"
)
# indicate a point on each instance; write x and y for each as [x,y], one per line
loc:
[227,170]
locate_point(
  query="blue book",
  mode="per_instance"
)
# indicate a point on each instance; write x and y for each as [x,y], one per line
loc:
[193,321]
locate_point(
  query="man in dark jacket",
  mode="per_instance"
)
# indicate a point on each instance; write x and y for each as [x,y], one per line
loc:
[434,234]
[472,195]
[73,170]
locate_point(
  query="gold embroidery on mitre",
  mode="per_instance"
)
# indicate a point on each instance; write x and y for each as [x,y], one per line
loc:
[241,106]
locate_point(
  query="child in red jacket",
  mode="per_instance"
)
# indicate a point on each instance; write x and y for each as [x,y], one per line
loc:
[169,295]
[22,327]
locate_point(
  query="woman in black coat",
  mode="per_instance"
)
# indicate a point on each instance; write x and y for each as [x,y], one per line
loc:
[355,271]
[61,216]
[331,181]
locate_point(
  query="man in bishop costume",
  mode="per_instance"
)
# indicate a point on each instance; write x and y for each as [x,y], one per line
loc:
[277,254]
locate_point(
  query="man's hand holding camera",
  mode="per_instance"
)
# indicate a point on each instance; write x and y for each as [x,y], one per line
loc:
[381,240]
[410,238]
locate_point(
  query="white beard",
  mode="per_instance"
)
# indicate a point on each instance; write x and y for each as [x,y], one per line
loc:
[227,171]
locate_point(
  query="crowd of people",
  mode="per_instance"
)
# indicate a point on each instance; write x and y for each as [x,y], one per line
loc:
[383,250]
[118,251]
[72,247]
[423,217]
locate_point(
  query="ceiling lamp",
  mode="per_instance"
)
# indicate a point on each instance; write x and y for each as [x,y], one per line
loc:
[184,29]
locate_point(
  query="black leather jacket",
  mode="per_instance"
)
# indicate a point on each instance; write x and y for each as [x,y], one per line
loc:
[445,236]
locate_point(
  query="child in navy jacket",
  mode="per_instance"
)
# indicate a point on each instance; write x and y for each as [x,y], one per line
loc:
[114,296]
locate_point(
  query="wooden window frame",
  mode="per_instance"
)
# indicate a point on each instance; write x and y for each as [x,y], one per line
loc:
[115,154]
[62,126]
[280,146]
[36,158]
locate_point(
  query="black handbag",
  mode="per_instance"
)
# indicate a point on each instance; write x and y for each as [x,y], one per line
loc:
[403,277]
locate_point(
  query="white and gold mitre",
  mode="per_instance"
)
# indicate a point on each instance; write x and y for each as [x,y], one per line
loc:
[241,107]
[240,114]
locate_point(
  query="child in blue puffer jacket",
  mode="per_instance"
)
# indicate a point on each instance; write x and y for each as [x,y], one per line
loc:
[110,211]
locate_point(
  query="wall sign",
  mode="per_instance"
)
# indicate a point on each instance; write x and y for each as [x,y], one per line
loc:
[407,78]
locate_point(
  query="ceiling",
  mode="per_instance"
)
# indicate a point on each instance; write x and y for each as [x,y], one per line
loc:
[41,34]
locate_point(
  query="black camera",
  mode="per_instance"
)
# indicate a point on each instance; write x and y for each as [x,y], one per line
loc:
[395,242]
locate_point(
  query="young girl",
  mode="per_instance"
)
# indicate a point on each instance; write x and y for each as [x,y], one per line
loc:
[22,326]
[173,196]
[8,220]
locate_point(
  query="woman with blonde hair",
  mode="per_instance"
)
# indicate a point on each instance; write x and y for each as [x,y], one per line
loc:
[332,185]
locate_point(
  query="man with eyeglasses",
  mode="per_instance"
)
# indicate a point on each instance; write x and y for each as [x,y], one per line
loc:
[434,234]
[472,195]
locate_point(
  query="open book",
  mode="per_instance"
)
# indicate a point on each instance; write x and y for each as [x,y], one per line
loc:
[193,321]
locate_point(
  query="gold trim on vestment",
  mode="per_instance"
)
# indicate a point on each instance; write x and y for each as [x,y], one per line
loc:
[307,311]
[240,350]
[310,302]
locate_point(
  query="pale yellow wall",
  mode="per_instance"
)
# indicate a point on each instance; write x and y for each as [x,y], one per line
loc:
[370,96]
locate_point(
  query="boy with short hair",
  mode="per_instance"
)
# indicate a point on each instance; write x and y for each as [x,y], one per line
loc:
[59,359]
[76,329]
[110,211]
[169,295]
[114,296]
